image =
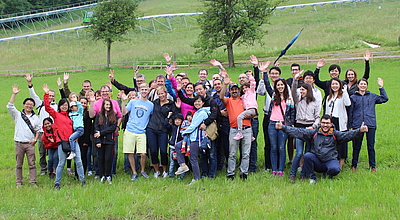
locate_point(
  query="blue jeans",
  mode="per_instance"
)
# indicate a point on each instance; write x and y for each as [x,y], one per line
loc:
[173,164]
[62,157]
[77,133]
[277,139]
[194,155]
[158,141]
[299,155]
[371,148]
[89,158]
[312,164]
[53,159]
[233,148]
[209,161]
[253,149]
[267,145]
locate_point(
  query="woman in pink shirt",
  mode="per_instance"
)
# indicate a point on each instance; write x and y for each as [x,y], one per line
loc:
[281,110]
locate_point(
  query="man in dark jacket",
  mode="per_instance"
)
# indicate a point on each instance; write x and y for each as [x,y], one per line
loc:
[325,139]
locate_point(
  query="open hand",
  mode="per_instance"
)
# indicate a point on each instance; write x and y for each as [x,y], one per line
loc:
[15,89]
[254,60]
[321,63]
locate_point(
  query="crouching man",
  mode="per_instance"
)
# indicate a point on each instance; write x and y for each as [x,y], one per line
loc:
[324,140]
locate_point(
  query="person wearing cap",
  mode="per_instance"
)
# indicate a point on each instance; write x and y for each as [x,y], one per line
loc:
[27,128]
[234,106]
[76,115]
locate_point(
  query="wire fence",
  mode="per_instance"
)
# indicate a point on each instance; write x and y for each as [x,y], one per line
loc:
[287,60]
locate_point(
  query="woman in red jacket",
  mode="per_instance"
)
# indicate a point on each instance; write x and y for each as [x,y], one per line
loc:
[63,126]
[51,141]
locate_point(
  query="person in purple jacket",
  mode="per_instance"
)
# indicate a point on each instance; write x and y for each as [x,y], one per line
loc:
[362,110]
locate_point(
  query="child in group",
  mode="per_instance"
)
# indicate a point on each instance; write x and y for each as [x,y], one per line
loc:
[174,126]
[50,141]
[133,95]
[249,103]
[76,115]
[186,140]
[104,126]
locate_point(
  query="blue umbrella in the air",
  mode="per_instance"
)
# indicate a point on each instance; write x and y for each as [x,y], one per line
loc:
[289,45]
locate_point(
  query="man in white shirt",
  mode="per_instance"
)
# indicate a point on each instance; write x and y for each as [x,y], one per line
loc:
[27,127]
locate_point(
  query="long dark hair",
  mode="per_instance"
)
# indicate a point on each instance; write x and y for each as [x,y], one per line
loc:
[331,92]
[111,116]
[309,95]
[62,102]
[277,95]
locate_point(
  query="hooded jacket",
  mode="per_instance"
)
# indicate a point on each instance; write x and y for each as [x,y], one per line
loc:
[323,145]
[198,118]
[47,135]
[62,122]
[362,108]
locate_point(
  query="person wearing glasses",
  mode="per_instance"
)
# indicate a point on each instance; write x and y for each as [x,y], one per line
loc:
[336,104]
[27,131]
[325,141]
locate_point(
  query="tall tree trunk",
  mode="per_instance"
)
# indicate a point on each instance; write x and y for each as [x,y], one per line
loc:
[231,59]
[109,53]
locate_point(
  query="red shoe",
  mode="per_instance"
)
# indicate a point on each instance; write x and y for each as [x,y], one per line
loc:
[373,170]
[353,169]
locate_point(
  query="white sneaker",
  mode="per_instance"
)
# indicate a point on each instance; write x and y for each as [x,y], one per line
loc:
[313,181]
[182,170]
[164,174]
[71,156]
[156,174]
[90,173]
[109,180]
[102,179]
[192,182]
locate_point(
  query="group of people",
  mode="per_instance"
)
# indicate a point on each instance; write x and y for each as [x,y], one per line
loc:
[175,122]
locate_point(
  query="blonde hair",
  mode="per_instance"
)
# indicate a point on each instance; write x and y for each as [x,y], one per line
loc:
[161,89]
[72,94]
[143,85]
[133,93]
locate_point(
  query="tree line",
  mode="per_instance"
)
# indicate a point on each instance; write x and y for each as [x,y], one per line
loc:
[15,6]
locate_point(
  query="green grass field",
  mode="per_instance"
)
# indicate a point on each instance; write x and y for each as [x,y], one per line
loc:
[359,195]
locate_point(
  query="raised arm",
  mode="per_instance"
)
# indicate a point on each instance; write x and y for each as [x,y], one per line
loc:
[382,98]
[294,87]
[46,102]
[32,93]
[66,88]
[318,82]
[367,68]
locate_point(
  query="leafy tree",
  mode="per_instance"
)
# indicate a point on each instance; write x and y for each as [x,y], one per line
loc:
[114,18]
[225,22]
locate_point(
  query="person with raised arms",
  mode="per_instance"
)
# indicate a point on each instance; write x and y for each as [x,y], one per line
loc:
[26,134]
[362,110]
[324,141]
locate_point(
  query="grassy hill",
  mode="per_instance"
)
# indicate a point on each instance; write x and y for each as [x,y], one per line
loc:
[339,30]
